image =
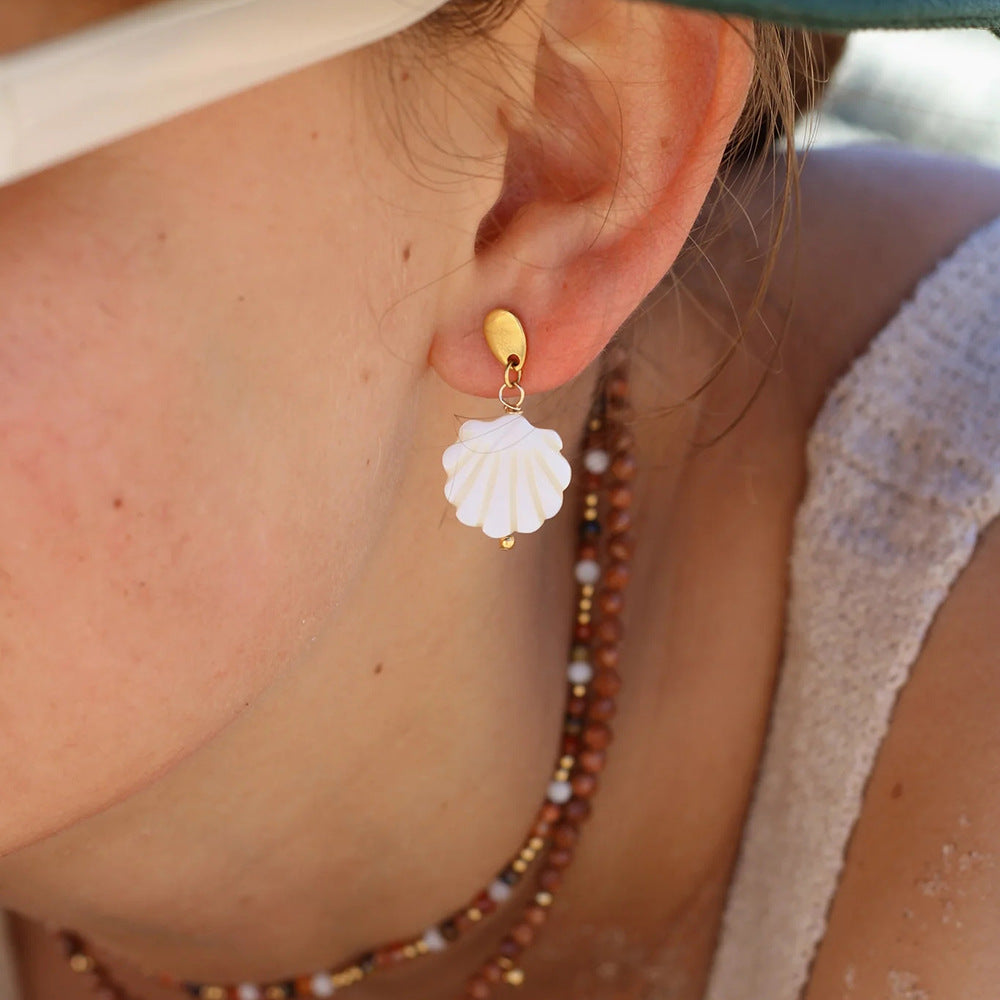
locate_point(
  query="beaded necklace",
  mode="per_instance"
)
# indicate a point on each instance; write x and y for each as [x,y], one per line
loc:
[593,683]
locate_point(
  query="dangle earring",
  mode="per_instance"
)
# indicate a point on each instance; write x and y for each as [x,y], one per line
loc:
[505,475]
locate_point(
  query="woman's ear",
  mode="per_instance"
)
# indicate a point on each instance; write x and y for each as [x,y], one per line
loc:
[606,170]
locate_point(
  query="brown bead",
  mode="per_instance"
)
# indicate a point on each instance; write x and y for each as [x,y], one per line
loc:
[484,904]
[602,709]
[607,683]
[565,835]
[584,784]
[619,498]
[570,745]
[616,576]
[509,948]
[611,602]
[591,482]
[536,915]
[618,521]
[597,736]
[606,656]
[622,440]
[586,552]
[478,989]
[523,933]
[576,706]
[549,812]
[610,630]
[621,547]
[390,954]
[583,633]
[624,467]
[491,972]
[560,857]
[592,761]
[577,810]
[616,390]
[549,879]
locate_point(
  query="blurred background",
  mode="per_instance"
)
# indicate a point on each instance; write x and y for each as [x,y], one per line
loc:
[937,90]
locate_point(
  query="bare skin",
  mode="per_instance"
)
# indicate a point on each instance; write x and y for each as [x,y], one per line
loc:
[338,761]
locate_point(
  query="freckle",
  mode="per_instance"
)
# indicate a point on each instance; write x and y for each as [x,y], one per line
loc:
[407,250]
[241,298]
[897,790]
[404,76]
[118,503]
[161,236]
[379,667]
[314,136]
[366,376]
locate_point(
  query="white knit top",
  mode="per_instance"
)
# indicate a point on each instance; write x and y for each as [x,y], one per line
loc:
[904,474]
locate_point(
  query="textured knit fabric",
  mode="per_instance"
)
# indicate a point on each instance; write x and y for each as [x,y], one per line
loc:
[904,473]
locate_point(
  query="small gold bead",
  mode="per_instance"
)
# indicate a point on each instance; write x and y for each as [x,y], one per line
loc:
[583,618]
[519,866]
[474,914]
[81,963]
[592,500]
[581,654]
[514,977]
[357,973]
[587,590]
[565,763]
[586,604]
[505,963]
[536,843]
[527,854]
[422,948]
[595,424]
[590,514]
[507,543]
[275,993]
[579,690]
[561,775]
[411,951]
[544,898]
[212,993]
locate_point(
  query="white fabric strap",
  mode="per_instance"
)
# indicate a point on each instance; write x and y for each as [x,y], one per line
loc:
[66,97]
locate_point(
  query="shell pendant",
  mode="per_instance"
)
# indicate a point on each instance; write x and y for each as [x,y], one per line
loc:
[505,475]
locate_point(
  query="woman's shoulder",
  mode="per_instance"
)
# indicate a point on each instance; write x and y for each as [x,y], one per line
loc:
[873,222]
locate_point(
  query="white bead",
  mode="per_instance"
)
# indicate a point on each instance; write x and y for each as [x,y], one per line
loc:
[580,672]
[588,571]
[248,991]
[560,792]
[322,985]
[434,940]
[499,891]
[596,461]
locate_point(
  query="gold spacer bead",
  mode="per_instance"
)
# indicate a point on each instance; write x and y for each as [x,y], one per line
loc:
[514,977]
[212,993]
[536,843]
[544,898]
[356,973]
[586,604]
[411,951]
[587,590]
[422,948]
[519,866]
[565,763]
[595,424]
[81,962]
[507,543]
[474,914]
[583,618]
[590,514]
[275,993]
[592,500]
[561,775]
[528,855]
[505,963]
[579,690]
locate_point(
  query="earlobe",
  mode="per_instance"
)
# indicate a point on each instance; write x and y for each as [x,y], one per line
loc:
[605,174]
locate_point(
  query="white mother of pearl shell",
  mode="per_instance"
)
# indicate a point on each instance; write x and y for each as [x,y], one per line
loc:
[505,476]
